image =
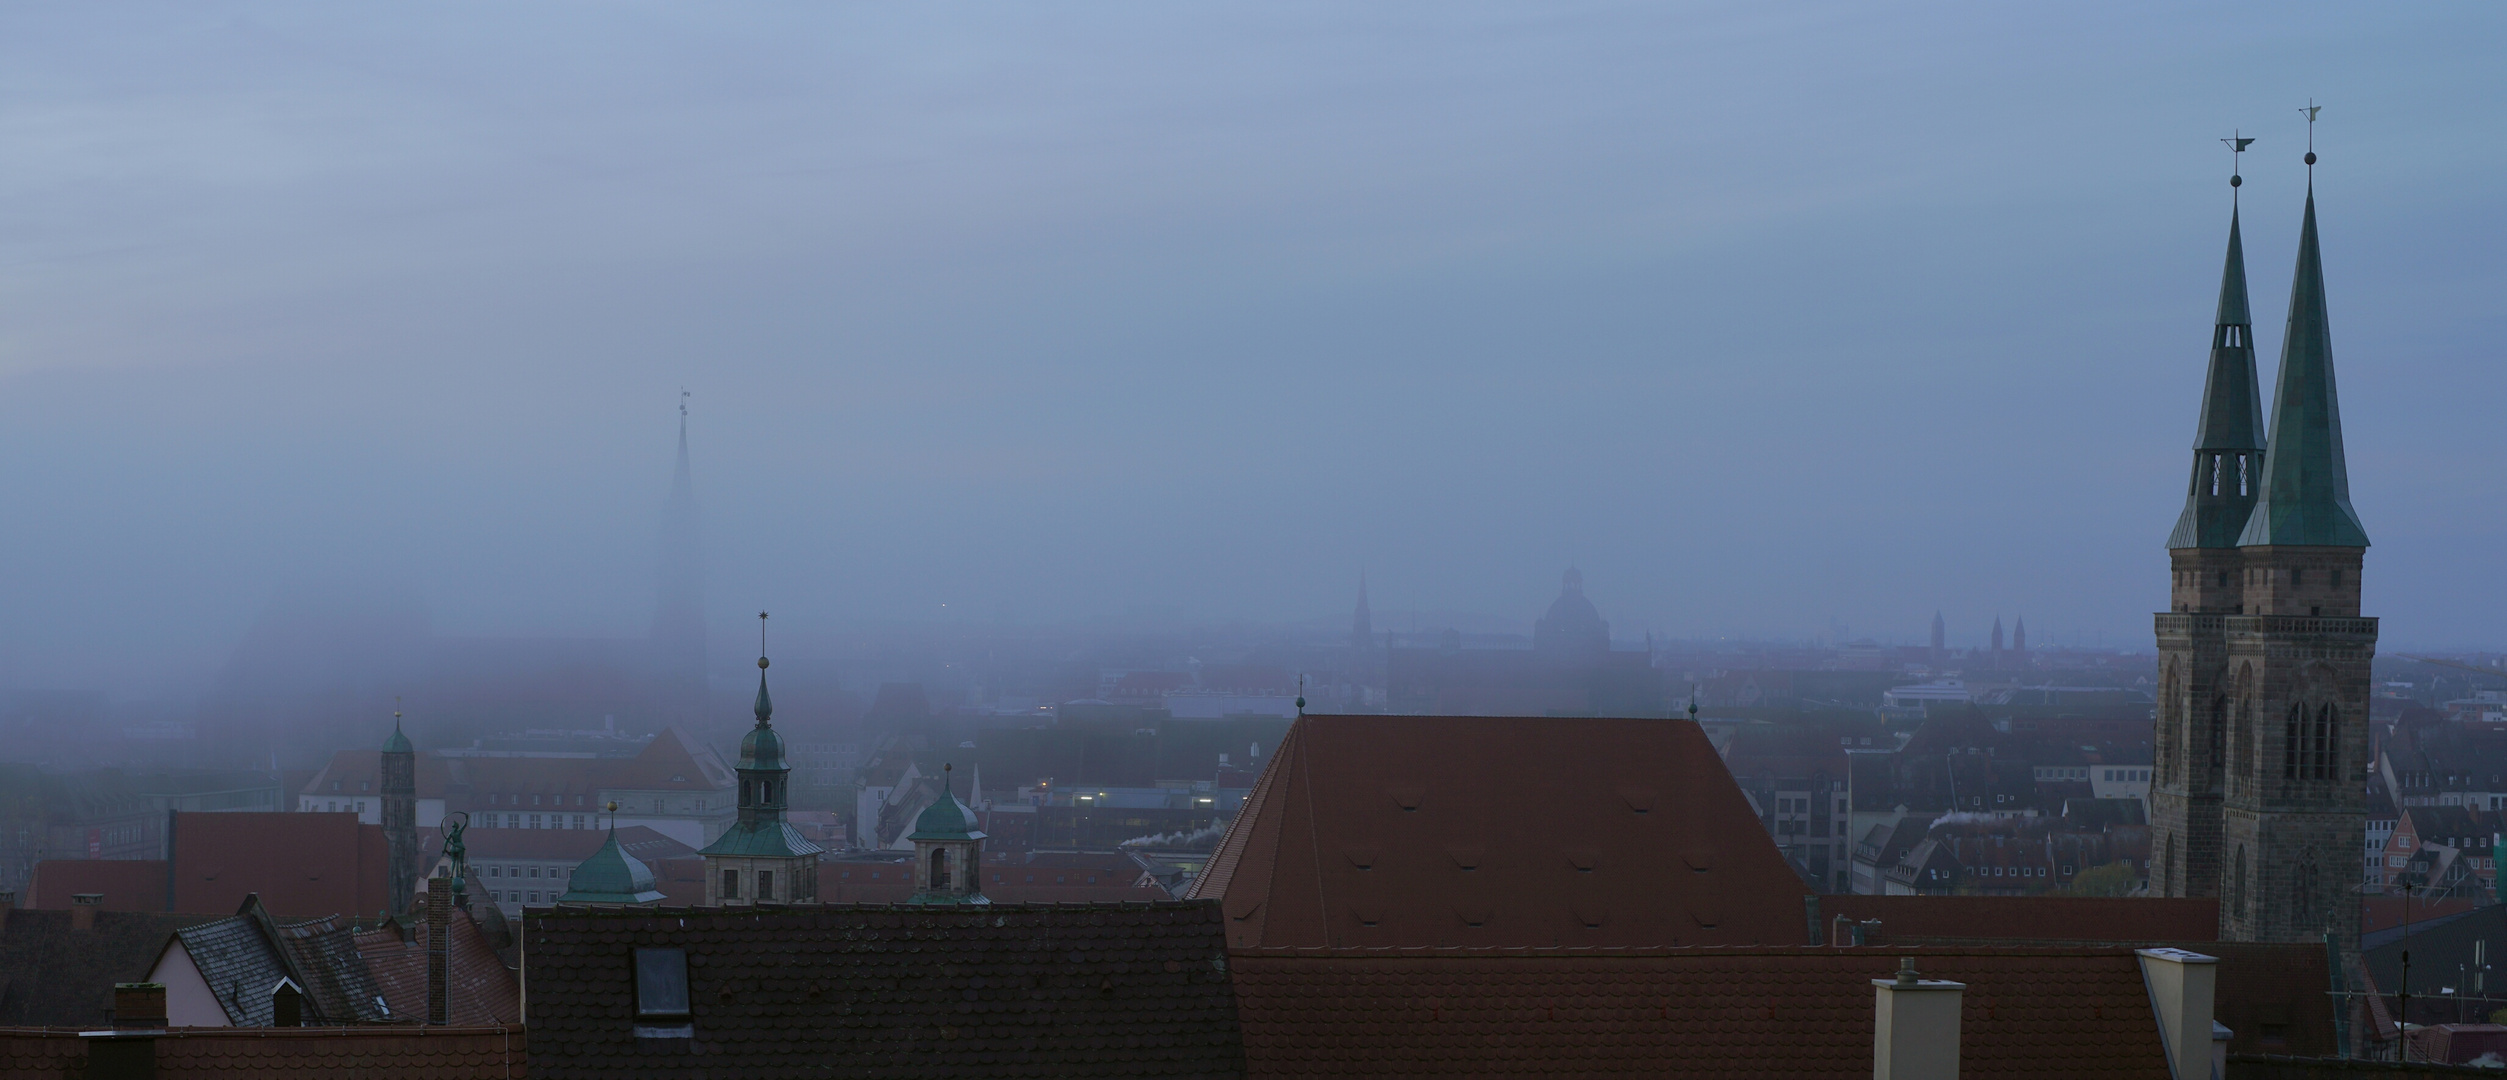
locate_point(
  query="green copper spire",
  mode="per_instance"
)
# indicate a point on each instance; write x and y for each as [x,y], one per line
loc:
[2228,441]
[2305,497]
[398,743]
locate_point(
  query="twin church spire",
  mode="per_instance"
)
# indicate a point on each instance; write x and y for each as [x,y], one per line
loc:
[2287,485]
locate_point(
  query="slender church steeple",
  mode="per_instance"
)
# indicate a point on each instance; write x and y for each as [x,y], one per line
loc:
[1362,623]
[761,859]
[2305,496]
[678,634]
[2229,440]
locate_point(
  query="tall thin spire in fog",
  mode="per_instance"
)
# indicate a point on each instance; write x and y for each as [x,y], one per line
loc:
[678,634]
[1362,622]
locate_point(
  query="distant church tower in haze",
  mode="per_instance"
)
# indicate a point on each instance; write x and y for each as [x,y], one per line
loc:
[1940,639]
[678,634]
[1362,624]
[2262,734]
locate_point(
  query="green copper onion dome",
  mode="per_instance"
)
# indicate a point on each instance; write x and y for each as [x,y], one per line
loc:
[398,743]
[761,748]
[947,818]
[611,876]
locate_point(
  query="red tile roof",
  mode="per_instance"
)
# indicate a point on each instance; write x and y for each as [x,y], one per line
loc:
[371,1053]
[302,865]
[359,774]
[479,988]
[1500,831]
[2042,1014]
[2137,921]
[127,884]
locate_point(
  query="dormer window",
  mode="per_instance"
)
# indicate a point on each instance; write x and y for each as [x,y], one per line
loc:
[661,994]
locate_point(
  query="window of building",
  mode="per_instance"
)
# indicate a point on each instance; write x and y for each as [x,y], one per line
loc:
[731,884]
[578,821]
[765,884]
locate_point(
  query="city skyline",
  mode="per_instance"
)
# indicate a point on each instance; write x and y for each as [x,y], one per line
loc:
[1530,298]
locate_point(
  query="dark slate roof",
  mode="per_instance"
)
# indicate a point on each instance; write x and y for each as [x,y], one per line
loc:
[239,963]
[2040,1014]
[328,965]
[2305,498]
[54,976]
[873,990]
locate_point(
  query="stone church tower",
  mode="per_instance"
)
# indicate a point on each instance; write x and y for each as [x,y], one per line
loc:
[2262,734]
[400,819]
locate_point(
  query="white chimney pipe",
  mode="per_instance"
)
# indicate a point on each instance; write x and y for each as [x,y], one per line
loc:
[1915,1026]
[2181,985]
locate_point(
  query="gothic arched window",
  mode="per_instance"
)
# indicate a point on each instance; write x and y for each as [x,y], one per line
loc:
[2237,883]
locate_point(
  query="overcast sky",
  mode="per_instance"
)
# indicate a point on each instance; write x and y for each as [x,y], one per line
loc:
[1768,317]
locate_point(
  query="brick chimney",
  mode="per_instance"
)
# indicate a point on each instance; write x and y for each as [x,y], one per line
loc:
[139,1006]
[129,1051]
[439,932]
[2181,984]
[1915,1026]
[83,909]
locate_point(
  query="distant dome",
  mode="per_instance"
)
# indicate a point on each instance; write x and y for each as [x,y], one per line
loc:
[1573,627]
[398,743]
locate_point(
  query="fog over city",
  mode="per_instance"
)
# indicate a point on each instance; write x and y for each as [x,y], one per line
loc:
[646,541]
[1785,324]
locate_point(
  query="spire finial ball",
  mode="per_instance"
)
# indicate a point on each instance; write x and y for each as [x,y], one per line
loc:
[2310,157]
[761,663]
[2235,180]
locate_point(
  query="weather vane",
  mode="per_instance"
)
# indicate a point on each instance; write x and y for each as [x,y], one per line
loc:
[761,639]
[2311,109]
[2237,145]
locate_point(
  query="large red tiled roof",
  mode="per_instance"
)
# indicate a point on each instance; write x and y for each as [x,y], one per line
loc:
[302,865]
[2042,1014]
[127,884]
[2137,921]
[1369,831]
[371,1053]
[359,774]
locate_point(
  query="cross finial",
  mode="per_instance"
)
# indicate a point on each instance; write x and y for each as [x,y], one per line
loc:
[761,639]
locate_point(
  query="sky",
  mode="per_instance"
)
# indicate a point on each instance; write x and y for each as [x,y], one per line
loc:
[1775,320]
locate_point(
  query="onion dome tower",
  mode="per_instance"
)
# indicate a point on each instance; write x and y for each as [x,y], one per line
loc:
[761,859]
[948,851]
